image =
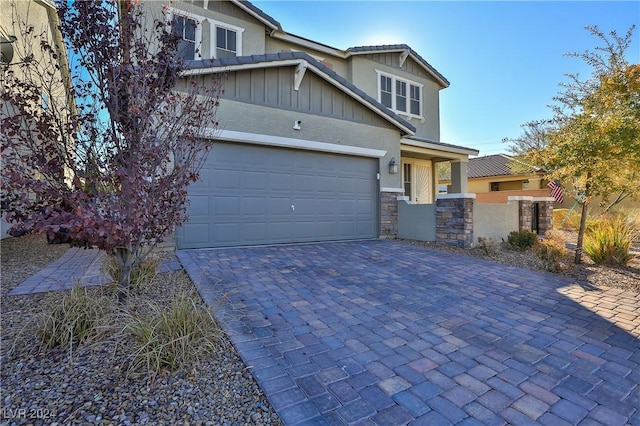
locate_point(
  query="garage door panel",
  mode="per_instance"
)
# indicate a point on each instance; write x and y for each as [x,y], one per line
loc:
[250,191]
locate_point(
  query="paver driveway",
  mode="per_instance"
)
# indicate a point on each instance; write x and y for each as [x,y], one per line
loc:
[381,332]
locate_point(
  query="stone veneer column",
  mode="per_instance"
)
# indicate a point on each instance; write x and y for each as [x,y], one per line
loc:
[389,214]
[454,219]
[525,213]
[545,213]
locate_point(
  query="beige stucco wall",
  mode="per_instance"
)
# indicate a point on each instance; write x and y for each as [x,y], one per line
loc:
[363,75]
[263,120]
[507,183]
[494,220]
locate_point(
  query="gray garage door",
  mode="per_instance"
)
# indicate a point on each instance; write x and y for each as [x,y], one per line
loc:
[252,195]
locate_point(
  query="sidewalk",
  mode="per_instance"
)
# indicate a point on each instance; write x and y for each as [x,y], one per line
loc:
[76,267]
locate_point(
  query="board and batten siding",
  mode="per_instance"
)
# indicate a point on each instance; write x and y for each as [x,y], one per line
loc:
[274,87]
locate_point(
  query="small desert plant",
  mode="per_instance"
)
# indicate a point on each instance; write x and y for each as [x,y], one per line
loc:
[522,239]
[173,336]
[69,320]
[610,241]
[488,245]
[143,272]
[551,250]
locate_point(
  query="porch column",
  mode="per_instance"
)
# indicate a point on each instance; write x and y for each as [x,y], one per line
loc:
[459,176]
[454,219]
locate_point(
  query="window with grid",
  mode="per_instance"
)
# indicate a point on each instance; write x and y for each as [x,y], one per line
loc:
[185,28]
[226,42]
[401,95]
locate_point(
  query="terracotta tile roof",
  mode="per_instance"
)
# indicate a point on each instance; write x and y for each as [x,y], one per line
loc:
[499,165]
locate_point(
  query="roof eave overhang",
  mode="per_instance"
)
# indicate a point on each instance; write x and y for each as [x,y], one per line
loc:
[281,35]
[242,5]
[438,147]
[295,62]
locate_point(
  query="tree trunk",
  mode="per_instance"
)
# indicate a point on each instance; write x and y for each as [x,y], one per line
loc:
[124,257]
[583,224]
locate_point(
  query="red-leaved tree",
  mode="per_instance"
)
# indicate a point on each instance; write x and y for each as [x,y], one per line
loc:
[109,164]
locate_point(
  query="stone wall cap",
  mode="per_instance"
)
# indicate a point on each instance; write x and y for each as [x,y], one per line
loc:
[544,199]
[519,198]
[455,196]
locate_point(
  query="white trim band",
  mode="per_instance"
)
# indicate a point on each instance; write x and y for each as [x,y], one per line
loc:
[279,141]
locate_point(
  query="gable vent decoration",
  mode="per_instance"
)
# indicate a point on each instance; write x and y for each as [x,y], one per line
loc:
[403,56]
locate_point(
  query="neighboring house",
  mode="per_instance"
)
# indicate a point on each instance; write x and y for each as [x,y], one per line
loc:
[42,15]
[315,143]
[495,177]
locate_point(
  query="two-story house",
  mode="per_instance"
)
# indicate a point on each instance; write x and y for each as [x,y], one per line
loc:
[315,143]
[17,50]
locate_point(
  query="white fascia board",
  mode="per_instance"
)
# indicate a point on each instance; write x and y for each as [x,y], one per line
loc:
[438,147]
[296,62]
[255,15]
[279,141]
[240,67]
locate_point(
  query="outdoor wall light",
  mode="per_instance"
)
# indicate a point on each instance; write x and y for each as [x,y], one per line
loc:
[393,166]
[6,54]
[296,124]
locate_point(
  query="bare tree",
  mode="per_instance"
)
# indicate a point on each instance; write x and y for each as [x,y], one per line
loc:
[110,168]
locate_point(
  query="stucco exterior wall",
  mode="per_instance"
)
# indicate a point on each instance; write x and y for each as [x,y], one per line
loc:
[339,65]
[363,74]
[233,115]
[416,221]
[494,220]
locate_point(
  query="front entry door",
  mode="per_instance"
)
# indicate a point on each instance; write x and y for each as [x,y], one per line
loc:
[417,177]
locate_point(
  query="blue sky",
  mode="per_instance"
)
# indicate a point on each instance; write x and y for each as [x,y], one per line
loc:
[504,59]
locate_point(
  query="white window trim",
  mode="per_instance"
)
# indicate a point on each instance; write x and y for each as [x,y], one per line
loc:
[409,83]
[214,41]
[171,12]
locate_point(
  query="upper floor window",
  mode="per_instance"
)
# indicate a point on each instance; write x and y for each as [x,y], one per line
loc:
[401,95]
[227,40]
[188,28]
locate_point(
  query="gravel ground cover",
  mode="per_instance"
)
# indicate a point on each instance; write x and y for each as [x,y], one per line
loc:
[94,385]
[626,278]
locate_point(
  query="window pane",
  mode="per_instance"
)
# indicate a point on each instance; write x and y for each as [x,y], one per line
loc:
[415,100]
[221,38]
[190,30]
[231,40]
[385,99]
[385,91]
[401,96]
[178,25]
[186,50]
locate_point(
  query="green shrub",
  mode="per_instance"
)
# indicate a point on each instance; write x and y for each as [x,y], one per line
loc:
[551,250]
[173,336]
[522,239]
[73,318]
[609,241]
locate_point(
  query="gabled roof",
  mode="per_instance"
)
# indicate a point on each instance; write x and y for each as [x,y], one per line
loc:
[363,50]
[277,31]
[258,14]
[499,165]
[208,66]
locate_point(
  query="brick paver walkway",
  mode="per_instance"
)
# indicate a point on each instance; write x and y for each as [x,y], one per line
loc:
[380,332]
[76,266]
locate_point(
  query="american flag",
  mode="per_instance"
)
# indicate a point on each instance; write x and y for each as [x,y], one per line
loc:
[556,191]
